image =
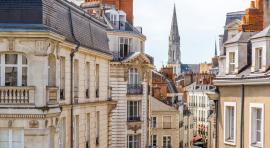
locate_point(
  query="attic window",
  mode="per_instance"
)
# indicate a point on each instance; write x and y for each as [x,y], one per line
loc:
[258,58]
[231,62]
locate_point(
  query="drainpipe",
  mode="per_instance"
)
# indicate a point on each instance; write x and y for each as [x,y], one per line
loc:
[72,54]
[242,116]
[216,108]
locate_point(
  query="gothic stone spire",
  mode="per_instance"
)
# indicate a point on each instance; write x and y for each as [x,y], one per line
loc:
[174,25]
[174,53]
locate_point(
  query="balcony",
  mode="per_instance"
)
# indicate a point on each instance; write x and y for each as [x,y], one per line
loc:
[17,95]
[134,119]
[134,89]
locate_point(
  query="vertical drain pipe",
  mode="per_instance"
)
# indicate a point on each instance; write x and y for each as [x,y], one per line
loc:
[71,77]
[242,116]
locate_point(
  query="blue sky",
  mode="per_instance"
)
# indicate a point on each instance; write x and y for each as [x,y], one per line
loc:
[200,22]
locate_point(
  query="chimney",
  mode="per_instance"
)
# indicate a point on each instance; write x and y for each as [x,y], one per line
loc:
[252,4]
[259,4]
[266,13]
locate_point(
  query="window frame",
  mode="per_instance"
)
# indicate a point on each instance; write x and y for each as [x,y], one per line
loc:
[167,145]
[10,136]
[251,127]
[152,140]
[232,62]
[152,121]
[229,104]
[133,76]
[258,58]
[124,41]
[19,66]
[137,108]
[135,139]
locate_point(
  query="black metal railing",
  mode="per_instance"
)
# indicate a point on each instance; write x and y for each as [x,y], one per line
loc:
[133,118]
[134,89]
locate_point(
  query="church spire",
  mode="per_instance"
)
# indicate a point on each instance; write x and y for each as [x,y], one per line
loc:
[174,25]
[174,53]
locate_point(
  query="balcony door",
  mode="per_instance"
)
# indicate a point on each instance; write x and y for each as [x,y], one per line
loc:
[133,76]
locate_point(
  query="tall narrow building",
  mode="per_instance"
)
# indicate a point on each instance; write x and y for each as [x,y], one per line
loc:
[174,53]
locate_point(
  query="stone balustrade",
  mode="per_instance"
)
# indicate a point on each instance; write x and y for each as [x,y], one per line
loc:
[17,95]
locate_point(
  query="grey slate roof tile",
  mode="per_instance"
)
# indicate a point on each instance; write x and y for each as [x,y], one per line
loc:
[53,15]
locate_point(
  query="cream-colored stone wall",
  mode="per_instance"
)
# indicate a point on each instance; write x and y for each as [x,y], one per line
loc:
[174,131]
[253,94]
[40,120]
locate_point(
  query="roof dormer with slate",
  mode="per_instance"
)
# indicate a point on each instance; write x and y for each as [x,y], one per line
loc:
[237,53]
[261,51]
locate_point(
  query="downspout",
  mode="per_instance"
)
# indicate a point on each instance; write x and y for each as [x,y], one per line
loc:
[216,108]
[242,116]
[72,54]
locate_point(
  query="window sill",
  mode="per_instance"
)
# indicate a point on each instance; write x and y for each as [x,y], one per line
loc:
[230,142]
[255,145]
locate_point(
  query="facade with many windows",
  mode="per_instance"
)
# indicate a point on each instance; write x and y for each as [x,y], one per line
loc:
[54,84]
[167,125]
[243,97]
[130,79]
[200,106]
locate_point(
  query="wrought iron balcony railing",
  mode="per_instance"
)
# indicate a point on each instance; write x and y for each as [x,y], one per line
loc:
[134,118]
[134,89]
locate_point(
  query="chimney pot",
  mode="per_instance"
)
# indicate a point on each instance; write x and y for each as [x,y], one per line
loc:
[252,4]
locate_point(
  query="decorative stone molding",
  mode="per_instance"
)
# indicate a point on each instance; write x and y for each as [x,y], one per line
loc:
[41,48]
[11,43]
[134,126]
[21,116]
[10,122]
[33,124]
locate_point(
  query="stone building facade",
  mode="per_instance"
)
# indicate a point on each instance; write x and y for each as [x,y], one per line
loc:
[43,102]
[167,125]
[200,106]
[242,100]
[130,78]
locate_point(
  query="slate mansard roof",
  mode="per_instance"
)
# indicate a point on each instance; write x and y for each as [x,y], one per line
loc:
[57,16]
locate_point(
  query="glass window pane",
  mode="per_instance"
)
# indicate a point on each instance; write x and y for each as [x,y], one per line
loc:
[24,76]
[24,60]
[17,135]
[3,134]
[11,59]
[11,76]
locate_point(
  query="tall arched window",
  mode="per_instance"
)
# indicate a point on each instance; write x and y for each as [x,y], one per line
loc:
[133,76]
[13,69]
[52,70]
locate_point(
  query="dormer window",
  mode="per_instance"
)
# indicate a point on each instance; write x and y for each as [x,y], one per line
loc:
[231,62]
[113,19]
[258,58]
[124,45]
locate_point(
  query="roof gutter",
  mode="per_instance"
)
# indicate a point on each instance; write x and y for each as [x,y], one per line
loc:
[72,54]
